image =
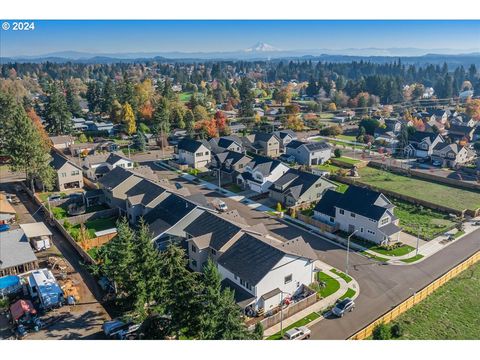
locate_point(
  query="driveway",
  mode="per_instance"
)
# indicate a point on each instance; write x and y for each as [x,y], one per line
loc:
[411,240]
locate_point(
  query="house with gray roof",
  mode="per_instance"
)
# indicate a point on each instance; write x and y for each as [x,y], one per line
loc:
[260,173]
[115,185]
[313,153]
[229,164]
[262,144]
[141,198]
[194,153]
[16,254]
[96,166]
[452,155]
[285,136]
[259,270]
[226,143]
[296,187]
[367,213]
[69,175]
[421,144]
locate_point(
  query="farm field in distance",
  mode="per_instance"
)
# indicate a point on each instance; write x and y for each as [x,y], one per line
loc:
[443,195]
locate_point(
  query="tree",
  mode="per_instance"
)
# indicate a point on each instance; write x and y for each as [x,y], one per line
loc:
[161,120]
[258,331]
[38,125]
[382,332]
[337,152]
[59,119]
[189,122]
[181,297]
[108,98]
[332,107]
[82,138]
[369,125]
[129,119]
[93,96]
[200,113]
[116,112]
[403,138]
[27,149]
[139,141]
[473,109]
[73,104]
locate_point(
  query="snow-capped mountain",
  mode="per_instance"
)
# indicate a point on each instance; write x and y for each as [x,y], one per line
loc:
[261,47]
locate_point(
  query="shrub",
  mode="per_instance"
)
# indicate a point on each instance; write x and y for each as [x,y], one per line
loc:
[337,153]
[397,330]
[382,332]
[67,225]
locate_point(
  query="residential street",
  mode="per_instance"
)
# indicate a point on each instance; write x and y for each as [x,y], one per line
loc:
[381,286]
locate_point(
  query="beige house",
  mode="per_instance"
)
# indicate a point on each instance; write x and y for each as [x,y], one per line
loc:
[195,154]
[263,144]
[69,175]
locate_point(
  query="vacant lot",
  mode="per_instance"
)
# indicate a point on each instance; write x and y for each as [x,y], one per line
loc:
[450,313]
[414,218]
[424,190]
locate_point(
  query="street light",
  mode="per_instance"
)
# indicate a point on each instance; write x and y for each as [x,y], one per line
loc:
[281,311]
[348,249]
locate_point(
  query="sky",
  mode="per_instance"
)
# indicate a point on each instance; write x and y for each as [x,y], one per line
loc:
[122,36]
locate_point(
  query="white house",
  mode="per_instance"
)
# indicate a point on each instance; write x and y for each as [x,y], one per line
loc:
[193,153]
[260,173]
[259,270]
[367,213]
[95,166]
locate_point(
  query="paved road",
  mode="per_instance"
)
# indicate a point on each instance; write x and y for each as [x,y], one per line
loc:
[381,286]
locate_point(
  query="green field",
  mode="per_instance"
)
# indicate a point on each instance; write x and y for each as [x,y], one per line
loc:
[328,167]
[450,313]
[346,137]
[347,160]
[443,195]
[92,227]
[184,96]
[413,218]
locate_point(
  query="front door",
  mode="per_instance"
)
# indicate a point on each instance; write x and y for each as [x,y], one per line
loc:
[351,228]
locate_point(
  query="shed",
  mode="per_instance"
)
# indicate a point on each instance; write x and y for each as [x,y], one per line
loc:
[38,235]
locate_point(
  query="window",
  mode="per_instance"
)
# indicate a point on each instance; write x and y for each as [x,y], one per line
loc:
[206,152]
[214,252]
[194,263]
[361,230]
[332,220]
[288,279]
[199,154]
[371,232]
[318,185]
[193,248]
[75,172]
[235,277]
[242,282]
[64,174]
[342,212]
[352,215]
[384,221]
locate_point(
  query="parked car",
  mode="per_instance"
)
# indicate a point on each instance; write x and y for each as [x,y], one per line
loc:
[298,333]
[436,163]
[220,205]
[476,223]
[54,197]
[343,306]
[4,227]
[178,185]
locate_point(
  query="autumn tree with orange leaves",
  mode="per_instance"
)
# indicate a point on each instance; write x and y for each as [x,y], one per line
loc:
[207,128]
[38,125]
[473,109]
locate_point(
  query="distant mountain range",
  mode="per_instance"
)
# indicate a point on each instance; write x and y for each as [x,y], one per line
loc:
[263,51]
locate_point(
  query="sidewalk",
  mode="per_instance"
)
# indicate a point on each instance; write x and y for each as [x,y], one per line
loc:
[320,305]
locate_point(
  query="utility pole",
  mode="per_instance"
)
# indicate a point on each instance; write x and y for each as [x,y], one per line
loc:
[348,250]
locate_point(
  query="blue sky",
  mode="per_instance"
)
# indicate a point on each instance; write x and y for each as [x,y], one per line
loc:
[206,36]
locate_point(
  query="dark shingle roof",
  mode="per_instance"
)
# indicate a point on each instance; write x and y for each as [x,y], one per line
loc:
[250,258]
[419,136]
[295,144]
[327,203]
[190,145]
[58,161]
[222,231]
[171,210]
[361,201]
[115,177]
[242,296]
[115,157]
[148,189]
[263,164]
[296,182]
[318,145]
[390,229]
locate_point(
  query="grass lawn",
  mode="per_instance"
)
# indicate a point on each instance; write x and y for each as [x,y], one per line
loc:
[326,116]
[458,199]
[93,226]
[331,285]
[348,294]
[450,313]
[233,188]
[431,222]
[185,96]
[399,251]
[328,167]
[458,234]
[412,259]
[302,322]
[342,275]
[340,186]
[346,137]
[347,160]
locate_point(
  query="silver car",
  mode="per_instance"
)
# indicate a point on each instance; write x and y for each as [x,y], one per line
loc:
[298,333]
[343,306]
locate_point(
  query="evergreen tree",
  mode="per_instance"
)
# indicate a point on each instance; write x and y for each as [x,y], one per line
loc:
[59,119]
[189,123]
[73,104]
[161,121]
[108,97]
[140,142]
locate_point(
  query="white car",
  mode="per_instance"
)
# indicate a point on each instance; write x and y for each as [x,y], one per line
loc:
[298,333]
[220,205]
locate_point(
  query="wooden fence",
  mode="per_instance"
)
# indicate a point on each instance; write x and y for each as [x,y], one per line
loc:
[268,322]
[416,298]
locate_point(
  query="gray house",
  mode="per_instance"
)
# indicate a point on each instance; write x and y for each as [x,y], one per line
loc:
[286,136]
[69,175]
[314,153]
[226,143]
[367,213]
[298,187]
[116,184]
